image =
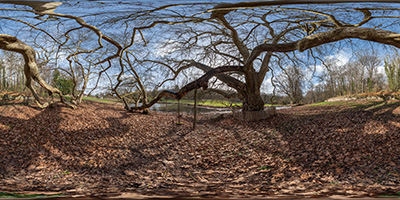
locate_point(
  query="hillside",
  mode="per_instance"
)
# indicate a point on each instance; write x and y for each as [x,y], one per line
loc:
[346,148]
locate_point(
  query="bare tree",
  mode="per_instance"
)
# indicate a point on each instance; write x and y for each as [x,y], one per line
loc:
[237,43]
[12,68]
[82,57]
[242,40]
[369,61]
[11,43]
[290,82]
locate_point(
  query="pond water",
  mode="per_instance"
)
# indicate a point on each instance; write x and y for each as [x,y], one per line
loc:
[173,107]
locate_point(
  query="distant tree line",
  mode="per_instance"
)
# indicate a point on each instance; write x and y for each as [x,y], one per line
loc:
[392,71]
[354,77]
[237,45]
[358,76]
[12,77]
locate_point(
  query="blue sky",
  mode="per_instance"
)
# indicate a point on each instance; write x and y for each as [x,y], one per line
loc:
[94,12]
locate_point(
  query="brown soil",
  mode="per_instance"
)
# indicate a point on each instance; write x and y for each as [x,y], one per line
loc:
[100,149]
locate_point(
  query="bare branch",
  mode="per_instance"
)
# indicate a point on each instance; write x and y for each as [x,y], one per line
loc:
[370,34]
[201,82]
[11,43]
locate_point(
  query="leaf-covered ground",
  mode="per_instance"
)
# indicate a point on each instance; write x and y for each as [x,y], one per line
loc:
[100,149]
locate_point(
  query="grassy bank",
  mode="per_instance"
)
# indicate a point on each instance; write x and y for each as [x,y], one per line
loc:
[208,102]
[214,103]
[95,99]
[9,195]
[366,105]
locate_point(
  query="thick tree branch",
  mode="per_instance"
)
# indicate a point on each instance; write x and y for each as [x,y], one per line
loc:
[227,7]
[11,43]
[264,67]
[228,80]
[228,95]
[201,82]
[234,34]
[370,34]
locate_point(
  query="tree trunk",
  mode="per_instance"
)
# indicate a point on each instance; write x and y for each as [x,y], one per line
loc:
[201,82]
[253,102]
[253,109]
[11,43]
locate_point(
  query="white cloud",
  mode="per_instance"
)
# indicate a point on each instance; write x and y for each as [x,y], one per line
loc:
[313,71]
[267,86]
[381,69]
[341,58]
[164,50]
[319,69]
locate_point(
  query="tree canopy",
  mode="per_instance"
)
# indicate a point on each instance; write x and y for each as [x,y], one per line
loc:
[132,48]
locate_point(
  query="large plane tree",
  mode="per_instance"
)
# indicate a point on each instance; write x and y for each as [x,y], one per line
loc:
[237,43]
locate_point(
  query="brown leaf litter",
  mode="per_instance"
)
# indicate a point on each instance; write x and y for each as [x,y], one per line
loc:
[100,149]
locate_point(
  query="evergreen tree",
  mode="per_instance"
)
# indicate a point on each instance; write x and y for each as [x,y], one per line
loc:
[1,76]
[4,78]
[392,70]
[63,84]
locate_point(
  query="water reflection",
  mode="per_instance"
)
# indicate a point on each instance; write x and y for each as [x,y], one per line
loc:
[168,107]
[173,107]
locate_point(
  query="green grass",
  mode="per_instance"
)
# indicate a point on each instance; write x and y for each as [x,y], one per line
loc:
[208,102]
[265,167]
[361,105]
[391,195]
[335,103]
[14,104]
[364,105]
[377,104]
[100,100]
[14,195]
[275,105]
[67,97]
[215,103]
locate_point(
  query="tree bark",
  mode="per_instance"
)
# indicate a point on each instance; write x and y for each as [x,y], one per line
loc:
[234,83]
[201,82]
[250,90]
[11,43]
[253,102]
[369,34]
